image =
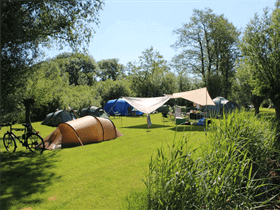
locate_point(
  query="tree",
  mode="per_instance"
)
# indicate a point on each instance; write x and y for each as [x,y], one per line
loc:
[179,67]
[147,76]
[110,89]
[243,89]
[82,68]
[26,26]
[82,96]
[183,81]
[110,69]
[49,86]
[209,49]
[261,48]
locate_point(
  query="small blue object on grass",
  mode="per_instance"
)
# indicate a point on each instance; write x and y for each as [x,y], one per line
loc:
[201,121]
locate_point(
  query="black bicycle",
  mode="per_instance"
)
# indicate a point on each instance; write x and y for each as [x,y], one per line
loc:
[29,139]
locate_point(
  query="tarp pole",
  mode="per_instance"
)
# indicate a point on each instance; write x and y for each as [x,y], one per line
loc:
[206,116]
[149,122]
[206,104]
[113,106]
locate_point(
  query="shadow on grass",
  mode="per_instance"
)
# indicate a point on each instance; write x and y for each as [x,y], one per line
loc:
[182,128]
[145,126]
[24,174]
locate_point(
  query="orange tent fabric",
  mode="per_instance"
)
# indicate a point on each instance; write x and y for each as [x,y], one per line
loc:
[81,131]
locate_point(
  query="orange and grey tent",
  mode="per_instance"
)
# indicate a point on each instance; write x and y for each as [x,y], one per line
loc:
[84,130]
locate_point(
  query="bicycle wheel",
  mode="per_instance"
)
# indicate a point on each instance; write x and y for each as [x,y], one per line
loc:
[9,142]
[35,143]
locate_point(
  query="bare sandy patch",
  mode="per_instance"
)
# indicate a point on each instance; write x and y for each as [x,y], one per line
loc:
[52,198]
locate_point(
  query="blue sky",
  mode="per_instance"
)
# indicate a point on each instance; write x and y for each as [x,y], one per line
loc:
[128,27]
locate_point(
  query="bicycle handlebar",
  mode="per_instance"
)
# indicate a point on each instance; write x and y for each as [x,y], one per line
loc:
[15,129]
[8,124]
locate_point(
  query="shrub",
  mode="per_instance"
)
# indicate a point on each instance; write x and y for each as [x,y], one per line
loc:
[233,170]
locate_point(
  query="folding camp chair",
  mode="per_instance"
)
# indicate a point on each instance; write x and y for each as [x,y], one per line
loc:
[178,112]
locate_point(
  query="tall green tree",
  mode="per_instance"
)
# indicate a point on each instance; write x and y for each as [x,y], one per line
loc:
[243,89]
[183,81]
[47,87]
[110,69]
[261,49]
[26,26]
[81,68]
[208,44]
[151,75]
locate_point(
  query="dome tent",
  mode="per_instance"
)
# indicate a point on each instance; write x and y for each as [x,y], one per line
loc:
[55,118]
[94,111]
[222,105]
[84,130]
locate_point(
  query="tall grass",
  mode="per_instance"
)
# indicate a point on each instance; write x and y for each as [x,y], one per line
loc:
[237,169]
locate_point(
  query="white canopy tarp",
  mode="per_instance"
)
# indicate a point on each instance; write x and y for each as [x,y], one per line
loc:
[146,105]
[199,96]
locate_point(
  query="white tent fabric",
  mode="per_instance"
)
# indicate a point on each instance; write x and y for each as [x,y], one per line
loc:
[199,96]
[146,105]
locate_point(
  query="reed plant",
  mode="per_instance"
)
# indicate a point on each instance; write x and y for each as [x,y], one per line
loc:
[238,168]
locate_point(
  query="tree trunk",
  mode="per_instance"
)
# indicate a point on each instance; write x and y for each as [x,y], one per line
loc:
[257,109]
[257,100]
[277,110]
[27,103]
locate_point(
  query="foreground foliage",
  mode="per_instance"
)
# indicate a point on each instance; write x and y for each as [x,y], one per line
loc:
[37,24]
[236,169]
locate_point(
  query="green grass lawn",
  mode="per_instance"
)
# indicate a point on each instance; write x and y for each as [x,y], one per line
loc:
[96,176]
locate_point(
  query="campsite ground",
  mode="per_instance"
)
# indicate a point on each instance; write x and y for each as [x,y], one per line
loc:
[96,176]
